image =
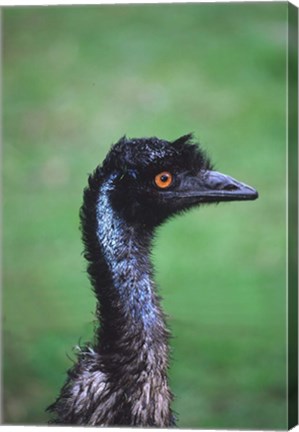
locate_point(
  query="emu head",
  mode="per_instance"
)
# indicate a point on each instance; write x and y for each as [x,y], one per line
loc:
[155,179]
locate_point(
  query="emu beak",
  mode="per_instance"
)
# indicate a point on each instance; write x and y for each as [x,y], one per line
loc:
[212,186]
[221,187]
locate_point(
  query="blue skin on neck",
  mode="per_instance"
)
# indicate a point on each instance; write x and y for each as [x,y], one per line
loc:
[125,260]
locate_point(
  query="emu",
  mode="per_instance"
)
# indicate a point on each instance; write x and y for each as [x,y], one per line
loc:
[121,379]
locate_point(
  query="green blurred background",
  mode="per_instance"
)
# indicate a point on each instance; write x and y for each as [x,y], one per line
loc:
[75,80]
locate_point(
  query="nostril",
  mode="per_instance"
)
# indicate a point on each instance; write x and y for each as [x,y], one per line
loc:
[230,187]
[221,182]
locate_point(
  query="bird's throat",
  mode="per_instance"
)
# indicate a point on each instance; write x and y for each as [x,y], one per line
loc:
[130,299]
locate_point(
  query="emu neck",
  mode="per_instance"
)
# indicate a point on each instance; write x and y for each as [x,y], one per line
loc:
[130,308]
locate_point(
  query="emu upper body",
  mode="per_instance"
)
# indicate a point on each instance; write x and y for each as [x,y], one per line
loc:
[121,379]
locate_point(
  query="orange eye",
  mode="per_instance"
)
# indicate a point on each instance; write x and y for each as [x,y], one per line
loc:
[163,180]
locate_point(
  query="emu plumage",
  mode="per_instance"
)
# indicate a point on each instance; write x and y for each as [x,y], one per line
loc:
[121,380]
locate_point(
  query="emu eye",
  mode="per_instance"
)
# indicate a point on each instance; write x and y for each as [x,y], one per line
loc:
[163,180]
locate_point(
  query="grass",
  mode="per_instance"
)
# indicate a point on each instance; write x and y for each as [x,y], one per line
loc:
[75,79]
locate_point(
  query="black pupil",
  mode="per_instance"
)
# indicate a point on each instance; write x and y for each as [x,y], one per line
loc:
[164,178]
